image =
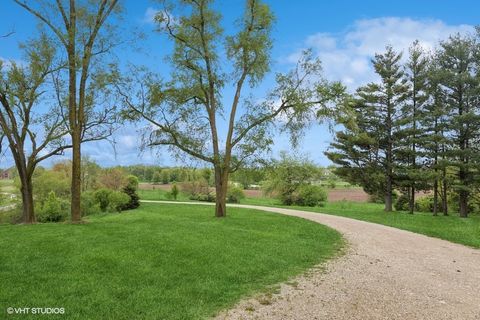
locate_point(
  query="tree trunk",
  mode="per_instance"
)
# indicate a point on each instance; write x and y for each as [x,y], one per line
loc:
[463,194]
[445,195]
[221,181]
[388,195]
[76,187]
[463,203]
[412,199]
[26,189]
[435,197]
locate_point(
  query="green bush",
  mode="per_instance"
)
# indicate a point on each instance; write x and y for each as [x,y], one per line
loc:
[332,184]
[102,198]
[424,204]
[402,203]
[174,191]
[209,197]
[89,204]
[53,209]
[131,191]
[133,198]
[235,194]
[12,216]
[310,195]
[45,181]
[117,200]
[132,182]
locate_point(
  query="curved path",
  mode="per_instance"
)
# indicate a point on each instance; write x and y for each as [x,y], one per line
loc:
[386,273]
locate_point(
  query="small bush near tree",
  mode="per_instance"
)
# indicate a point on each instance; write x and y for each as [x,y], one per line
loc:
[424,204]
[198,190]
[288,176]
[131,191]
[402,203]
[174,191]
[53,209]
[88,203]
[102,198]
[111,201]
[235,194]
[310,195]
[117,200]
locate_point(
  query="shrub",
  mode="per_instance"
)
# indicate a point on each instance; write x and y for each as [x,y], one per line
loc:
[45,181]
[53,209]
[209,197]
[174,191]
[13,215]
[132,182]
[156,178]
[131,191]
[133,198]
[102,198]
[402,203]
[193,188]
[424,204]
[198,190]
[89,204]
[117,200]
[332,184]
[235,194]
[310,195]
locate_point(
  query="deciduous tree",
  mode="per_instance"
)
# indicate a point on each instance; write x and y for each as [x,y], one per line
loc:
[78,25]
[34,133]
[186,112]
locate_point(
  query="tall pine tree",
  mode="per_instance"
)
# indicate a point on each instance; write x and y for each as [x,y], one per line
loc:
[416,74]
[433,139]
[368,152]
[458,61]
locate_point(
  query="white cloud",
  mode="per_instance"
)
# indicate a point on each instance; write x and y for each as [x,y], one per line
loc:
[149,15]
[128,141]
[347,56]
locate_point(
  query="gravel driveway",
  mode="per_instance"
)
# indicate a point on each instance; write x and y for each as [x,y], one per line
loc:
[386,273]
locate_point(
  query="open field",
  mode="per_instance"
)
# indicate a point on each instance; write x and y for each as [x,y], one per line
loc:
[156,262]
[338,193]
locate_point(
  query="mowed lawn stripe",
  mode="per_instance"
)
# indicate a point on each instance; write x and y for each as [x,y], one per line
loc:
[156,262]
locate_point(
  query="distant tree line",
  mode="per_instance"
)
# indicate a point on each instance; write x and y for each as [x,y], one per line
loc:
[417,128]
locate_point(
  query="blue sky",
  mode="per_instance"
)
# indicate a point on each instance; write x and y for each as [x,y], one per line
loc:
[345,34]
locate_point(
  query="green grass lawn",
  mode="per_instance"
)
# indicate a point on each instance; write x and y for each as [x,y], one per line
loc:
[156,262]
[451,228]
[159,194]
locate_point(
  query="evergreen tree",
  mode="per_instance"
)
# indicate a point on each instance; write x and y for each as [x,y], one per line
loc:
[433,140]
[458,60]
[416,76]
[368,151]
